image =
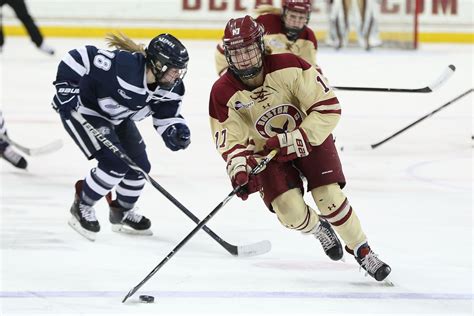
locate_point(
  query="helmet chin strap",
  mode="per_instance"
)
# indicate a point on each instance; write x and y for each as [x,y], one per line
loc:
[292,33]
[157,72]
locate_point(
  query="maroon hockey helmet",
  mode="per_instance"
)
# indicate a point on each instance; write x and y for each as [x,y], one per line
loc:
[297,5]
[243,46]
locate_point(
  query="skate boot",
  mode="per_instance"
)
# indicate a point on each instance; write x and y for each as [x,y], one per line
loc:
[370,262]
[127,220]
[328,239]
[9,154]
[83,218]
[46,49]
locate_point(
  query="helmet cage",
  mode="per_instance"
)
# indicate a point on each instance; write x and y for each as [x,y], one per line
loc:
[243,48]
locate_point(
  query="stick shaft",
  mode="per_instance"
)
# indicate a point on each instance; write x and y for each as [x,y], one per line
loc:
[421,119]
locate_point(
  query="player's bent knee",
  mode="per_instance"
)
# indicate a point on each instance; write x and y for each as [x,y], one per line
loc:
[108,161]
[334,206]
[328,198]
[291,209]
[143,162]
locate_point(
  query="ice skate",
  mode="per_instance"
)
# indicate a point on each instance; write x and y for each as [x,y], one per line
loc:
[10,155]
[370,262]
[328,239]
[83,218]
[127,220]
[46,49]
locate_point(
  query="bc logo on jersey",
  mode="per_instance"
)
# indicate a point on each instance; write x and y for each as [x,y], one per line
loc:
[279,119]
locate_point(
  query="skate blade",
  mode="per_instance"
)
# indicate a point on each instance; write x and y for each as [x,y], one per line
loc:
[119,228]
[387,282]
[74,223]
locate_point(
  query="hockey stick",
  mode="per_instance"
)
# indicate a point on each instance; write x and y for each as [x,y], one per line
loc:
[373,146]
[447,73]
[201,224]
[42,150]
[244,250]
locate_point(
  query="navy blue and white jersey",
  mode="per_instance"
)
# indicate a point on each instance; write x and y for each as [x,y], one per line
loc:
[112,85]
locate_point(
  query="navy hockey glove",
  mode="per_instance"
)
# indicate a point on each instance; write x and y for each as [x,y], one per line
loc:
[177,136]
[66,98]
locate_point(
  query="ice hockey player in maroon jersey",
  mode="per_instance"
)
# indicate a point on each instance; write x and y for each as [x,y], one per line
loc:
[286,31]
[280,101]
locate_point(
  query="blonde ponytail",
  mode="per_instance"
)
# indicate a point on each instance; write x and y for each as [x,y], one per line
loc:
[121,41]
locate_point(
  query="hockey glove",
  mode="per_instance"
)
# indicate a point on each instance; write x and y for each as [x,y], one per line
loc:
[66,98]
[238,169]
[177,136]
[292,145]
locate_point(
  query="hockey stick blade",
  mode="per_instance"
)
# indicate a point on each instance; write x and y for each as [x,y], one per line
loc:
[42,150]
[255,249]
[443,78]
[45,149]
[447,73]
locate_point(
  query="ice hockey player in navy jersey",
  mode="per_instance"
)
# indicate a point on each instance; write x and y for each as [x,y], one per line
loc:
[112,89]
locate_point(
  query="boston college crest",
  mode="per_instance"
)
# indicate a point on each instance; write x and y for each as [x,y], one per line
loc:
[279,119]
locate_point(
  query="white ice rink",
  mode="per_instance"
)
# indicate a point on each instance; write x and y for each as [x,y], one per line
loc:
[413,195]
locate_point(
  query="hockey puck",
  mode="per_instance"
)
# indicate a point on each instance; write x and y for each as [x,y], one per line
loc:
[146,298]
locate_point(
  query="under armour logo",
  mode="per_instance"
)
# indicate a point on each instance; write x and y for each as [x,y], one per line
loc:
[331,207]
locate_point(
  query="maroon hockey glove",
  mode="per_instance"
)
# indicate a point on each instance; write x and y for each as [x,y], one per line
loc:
[238,169]
[292,145]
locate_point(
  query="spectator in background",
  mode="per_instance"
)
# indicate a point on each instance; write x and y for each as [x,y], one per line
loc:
[21,12]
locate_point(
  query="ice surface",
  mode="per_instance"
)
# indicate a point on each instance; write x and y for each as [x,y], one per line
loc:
[412,194]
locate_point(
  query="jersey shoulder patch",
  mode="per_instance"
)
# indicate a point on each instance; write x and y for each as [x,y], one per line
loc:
[222,91]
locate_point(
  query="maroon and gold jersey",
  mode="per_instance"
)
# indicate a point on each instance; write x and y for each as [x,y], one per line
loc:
[276,42]
[292,95]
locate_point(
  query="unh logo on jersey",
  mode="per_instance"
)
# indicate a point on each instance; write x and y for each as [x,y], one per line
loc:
[279,119]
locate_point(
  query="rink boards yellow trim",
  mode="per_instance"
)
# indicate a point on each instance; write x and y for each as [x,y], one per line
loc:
[214,34]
